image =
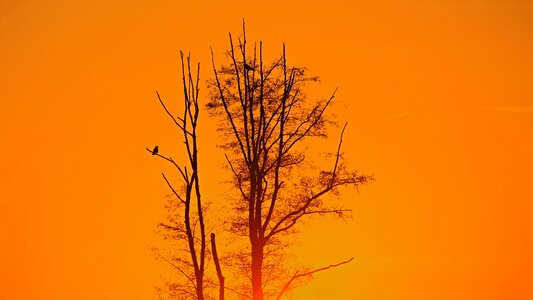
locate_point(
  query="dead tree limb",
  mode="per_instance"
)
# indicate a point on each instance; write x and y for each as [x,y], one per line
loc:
[305,274]
[217,266]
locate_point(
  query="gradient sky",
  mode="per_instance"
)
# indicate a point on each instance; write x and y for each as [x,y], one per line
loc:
[439,100]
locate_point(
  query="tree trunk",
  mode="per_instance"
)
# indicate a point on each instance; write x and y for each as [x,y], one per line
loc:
[257,275]
[199,288]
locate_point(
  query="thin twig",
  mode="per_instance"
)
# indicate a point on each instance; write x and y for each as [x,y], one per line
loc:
[298,275]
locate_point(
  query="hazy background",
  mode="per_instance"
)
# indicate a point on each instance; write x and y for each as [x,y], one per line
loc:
[439,100]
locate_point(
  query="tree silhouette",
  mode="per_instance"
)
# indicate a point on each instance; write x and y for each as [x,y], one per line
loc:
[268,119]
[185,219]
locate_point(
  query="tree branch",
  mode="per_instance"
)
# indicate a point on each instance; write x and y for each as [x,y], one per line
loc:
[173,190]
[298,275]
[217,266]
[170,114]
[169,159]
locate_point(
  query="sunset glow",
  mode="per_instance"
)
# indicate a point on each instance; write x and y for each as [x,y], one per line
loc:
[438,97]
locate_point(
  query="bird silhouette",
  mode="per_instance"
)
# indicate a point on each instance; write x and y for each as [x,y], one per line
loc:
[247,67]
[156,149]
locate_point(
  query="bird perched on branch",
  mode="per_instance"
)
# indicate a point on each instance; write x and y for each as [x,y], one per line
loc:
[156,149]
[247,67]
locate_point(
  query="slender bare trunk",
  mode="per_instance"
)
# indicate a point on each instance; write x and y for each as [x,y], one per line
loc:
[257,274]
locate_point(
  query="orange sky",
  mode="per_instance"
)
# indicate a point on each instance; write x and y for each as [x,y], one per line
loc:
[439,100]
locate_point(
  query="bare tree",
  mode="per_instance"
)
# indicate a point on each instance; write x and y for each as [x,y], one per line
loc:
[185,220]
[267,119]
